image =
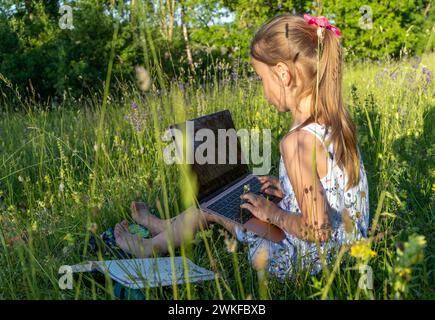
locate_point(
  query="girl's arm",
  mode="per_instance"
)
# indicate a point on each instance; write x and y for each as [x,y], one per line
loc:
[301,152]
[304,157]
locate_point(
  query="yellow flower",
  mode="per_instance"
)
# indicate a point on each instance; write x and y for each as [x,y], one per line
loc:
[69,238]
[433,187]
[405,272]
[361,250]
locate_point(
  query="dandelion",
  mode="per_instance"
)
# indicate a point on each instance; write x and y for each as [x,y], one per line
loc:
[143,78]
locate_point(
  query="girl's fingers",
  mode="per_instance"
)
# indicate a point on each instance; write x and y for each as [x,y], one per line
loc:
[273,192]
[250,197]
[248,206]
[262,179]
[265,186]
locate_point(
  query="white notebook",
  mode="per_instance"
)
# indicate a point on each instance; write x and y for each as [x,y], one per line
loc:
[149,272]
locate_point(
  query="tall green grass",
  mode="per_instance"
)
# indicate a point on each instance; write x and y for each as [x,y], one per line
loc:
[64,169]
[76,167]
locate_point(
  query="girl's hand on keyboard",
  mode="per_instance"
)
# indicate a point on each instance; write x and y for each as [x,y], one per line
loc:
[271,186]
[259,206]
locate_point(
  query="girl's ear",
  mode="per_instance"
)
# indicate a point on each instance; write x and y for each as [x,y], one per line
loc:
[283,73]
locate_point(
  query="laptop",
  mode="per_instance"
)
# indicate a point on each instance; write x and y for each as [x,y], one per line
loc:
[220,185]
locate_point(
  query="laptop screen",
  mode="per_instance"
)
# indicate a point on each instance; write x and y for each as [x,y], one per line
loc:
[227,166]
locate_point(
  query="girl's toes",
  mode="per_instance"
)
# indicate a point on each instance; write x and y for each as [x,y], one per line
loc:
[124,225]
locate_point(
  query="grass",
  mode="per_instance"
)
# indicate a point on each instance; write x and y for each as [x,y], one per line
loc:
[65,169]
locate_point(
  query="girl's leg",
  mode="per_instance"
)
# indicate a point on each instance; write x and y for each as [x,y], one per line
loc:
[141,214]
[182,228]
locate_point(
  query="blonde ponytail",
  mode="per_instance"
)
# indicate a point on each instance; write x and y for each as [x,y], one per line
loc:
[290,40]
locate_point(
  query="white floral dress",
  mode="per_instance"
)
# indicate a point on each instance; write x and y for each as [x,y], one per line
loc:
[292,253]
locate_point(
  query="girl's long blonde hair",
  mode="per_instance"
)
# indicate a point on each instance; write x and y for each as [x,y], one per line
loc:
[291,40]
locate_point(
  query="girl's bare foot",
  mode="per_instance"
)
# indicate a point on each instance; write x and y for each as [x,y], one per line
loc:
[130,243]
[141,214]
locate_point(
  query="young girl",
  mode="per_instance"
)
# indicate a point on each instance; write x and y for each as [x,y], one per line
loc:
[322,181]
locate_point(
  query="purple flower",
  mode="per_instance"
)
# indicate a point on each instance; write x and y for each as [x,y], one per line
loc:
[416,62]
[181,86]
[428,75]
[134,117]
[427,78]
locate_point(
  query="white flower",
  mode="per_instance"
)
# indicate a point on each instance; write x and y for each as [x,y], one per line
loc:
[61,187]
[143,78]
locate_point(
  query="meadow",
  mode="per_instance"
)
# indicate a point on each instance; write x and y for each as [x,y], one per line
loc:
[70,170]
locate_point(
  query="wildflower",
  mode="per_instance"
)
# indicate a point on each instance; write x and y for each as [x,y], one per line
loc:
[40,203]
[47,179]
[69,238]
[61,187]
[135,119]
[34,226]
[411,252]
[143,78]
[433,187]
[416,62]
[405,273]
[20,178]
[231,244]
[361,250]
[261,258]
[93,228]
[246,188]
[182,87]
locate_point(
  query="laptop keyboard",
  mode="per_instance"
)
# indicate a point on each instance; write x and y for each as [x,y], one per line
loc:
[229,205]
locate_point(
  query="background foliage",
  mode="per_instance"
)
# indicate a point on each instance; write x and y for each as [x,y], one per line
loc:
[40,59]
